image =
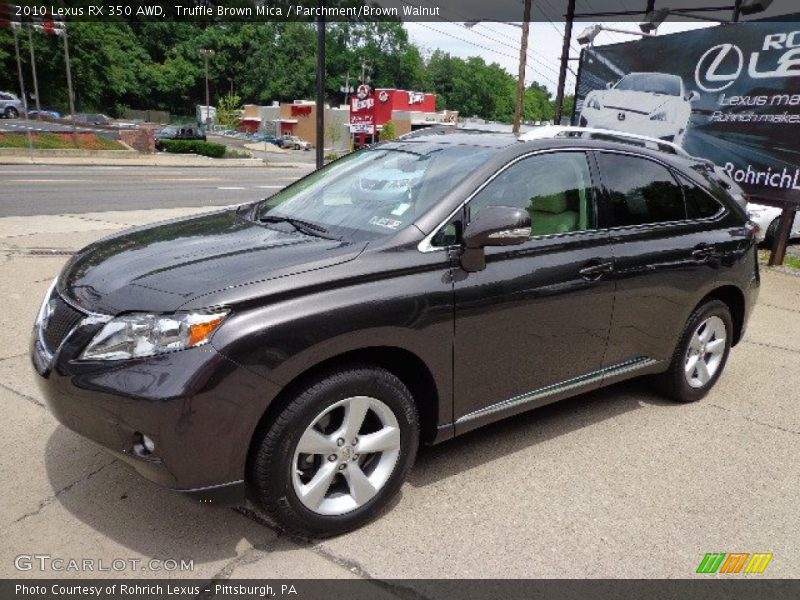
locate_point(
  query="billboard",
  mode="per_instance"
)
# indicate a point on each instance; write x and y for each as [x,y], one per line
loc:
[729,93]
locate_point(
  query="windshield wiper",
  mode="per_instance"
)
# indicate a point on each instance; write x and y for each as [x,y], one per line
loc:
[300,225]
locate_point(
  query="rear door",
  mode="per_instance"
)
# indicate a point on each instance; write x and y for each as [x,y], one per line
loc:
[665,255]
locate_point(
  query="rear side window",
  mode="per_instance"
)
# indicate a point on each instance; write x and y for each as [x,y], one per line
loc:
[699,203]
[640,190]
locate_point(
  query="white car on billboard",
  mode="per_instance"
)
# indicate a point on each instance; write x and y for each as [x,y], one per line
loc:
[653,104]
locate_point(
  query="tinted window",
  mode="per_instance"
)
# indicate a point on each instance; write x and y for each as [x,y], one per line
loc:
[655,83]
[640,191]
[555,189]
[699,203]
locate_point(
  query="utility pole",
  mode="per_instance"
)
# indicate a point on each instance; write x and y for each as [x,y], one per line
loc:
[320,145]
[22,86]
[523,52]
[69,84]
[562,73]
[206,54]
[35,77]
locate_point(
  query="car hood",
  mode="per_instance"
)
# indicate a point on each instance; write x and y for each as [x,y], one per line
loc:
[638,101]
[162,267]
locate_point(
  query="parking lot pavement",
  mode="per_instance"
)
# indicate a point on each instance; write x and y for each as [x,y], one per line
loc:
[616,483]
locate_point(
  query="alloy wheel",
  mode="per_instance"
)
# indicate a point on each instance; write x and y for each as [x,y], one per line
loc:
[346,455]
[705,352]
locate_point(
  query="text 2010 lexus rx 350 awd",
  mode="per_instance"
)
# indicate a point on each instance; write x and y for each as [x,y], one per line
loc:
[300,348]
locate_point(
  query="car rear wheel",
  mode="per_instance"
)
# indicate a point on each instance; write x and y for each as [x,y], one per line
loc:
[11,113]
[337,453]
[701,354]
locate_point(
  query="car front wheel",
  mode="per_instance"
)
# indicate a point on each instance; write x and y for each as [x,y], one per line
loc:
[11,113]
[701,354]
[337,453]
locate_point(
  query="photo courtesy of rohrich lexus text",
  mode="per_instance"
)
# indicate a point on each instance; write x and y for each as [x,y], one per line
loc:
[400,299]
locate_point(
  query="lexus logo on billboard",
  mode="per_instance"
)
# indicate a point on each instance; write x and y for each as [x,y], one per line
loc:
[707,73]
[721,65]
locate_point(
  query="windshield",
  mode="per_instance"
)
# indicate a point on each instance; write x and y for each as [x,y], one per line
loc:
[168,130]
[375,192]
[655,83]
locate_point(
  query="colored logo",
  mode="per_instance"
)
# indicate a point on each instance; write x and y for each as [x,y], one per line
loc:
[734,562]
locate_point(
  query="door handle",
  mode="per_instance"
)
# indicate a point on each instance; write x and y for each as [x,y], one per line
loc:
[702,251]
[596,269]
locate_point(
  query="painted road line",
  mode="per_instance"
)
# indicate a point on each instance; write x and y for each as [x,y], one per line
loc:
[231,188]
[270,187]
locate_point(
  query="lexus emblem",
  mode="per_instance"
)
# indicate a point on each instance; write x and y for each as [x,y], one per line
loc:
[707,73]
[620,116]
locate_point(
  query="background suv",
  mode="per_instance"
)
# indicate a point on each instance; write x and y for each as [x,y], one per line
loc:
[299,349]
[10,105]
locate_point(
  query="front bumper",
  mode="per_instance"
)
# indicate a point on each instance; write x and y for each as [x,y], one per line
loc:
[199,409]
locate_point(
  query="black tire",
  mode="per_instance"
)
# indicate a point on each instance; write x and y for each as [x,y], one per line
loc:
[271,465]
[772,233]
[11,113]
[674,384]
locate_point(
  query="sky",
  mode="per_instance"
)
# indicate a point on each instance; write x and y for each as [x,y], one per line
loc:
[499,42]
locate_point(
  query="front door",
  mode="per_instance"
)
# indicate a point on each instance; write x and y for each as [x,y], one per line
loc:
[533,325]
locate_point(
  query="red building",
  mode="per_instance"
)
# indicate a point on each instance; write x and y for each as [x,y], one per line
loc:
[371,109]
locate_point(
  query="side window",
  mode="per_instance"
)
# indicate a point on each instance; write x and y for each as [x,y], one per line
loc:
[699,203]
[640,190]
[555,189]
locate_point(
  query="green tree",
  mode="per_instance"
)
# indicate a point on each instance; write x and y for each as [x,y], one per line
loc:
[229,111]
[388,132]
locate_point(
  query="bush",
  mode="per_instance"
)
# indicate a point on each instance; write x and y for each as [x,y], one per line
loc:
[193,147]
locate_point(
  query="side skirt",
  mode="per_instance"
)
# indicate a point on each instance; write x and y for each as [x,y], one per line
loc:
[555,392]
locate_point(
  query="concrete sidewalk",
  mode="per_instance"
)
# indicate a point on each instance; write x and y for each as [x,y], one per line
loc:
[616,483]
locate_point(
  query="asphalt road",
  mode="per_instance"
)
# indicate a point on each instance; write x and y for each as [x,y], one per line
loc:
[27,190]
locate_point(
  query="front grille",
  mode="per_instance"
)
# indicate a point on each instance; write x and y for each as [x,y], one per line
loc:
[60,323]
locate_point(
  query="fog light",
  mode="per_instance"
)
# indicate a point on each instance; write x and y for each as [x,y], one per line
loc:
[142,445]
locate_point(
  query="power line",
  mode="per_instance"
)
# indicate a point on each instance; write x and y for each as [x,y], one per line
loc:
[502,42]
[487,48]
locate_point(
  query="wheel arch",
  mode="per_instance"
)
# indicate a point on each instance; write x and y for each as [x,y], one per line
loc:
[404,364]
[733,297]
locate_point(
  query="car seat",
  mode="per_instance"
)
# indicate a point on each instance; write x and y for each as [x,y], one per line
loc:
[551,214]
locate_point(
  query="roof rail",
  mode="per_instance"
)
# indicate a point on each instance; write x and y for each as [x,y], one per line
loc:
[643,141]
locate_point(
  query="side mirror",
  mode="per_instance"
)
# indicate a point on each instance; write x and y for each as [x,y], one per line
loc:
[693,95]
[494,226]
[609,85]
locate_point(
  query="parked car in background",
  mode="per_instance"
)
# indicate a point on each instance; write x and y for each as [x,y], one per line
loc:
[91,118]
[11,106]
[768,220]
[50,114]
[298,349]
[269,138]
[292,142]
[178,132]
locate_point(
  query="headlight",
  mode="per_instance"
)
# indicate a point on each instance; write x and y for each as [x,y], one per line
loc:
[139,334]
[594,103]
[659,116]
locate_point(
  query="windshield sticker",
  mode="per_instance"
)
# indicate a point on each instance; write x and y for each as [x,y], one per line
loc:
[385,222]
[401,209]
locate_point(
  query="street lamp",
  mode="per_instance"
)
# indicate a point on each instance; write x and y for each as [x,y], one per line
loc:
[523,54]
[206,53]
[586,37]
